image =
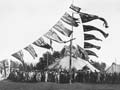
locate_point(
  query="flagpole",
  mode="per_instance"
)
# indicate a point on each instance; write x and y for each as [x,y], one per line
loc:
[47,60]
[70,68]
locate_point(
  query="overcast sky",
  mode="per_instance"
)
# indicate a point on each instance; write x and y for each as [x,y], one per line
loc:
[24,21]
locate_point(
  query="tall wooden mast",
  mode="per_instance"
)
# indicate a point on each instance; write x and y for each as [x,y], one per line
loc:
[70,64]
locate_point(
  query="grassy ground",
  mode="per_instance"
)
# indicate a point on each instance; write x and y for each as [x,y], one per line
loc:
[8,85]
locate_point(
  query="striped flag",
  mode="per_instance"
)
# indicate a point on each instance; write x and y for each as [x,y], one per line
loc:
[62,29]
[89,45]
[53,36]
[89,52]
[69,17]
[31,50]
[91,37]
[89,17]
[75,8]
[70,20]
[41,43]
[87,28]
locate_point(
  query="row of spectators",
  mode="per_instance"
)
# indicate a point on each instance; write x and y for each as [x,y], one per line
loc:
[63,76]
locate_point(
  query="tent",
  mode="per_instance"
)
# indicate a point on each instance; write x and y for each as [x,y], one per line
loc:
[77,63]
[113,68]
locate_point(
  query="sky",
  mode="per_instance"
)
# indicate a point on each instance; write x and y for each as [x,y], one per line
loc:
[24,21]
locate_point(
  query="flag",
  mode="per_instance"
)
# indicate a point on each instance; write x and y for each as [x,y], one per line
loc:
[18,55]
[89,45]
[91,37]
[31,50]
[89,17]
[53,36]
[75,8]
[83,53]
[62,29]
[75,24]
[41,43]
[87,28]
[89,52]
[70,20]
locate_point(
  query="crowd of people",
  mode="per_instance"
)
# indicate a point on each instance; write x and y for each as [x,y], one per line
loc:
[64,76]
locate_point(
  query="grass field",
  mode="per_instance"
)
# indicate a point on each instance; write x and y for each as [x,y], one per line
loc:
[8,85]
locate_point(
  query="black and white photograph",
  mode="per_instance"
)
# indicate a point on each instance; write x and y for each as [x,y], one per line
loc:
[59,45]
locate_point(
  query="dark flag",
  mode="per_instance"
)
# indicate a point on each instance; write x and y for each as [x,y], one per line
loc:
[89,52]
[31,50]
[83,53]
[91,37]
[87,28]
[70,20]
[89,17]
[89,45]
[75,8]
[41,43]
[62,29]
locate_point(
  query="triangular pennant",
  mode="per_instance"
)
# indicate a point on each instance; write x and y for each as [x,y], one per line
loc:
[91,37]
[70,20]
[89,17]
[87,28]
[41,43]
[18,55]
[83,53]
[53,36]
[89,52]
[62,29]
[31,50]
[89,45]
[75,8]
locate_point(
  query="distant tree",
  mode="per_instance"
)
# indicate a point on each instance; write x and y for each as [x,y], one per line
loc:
[29,67]
[21,67]
[47,59]
[56,54]
[103,66]
[41,64]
